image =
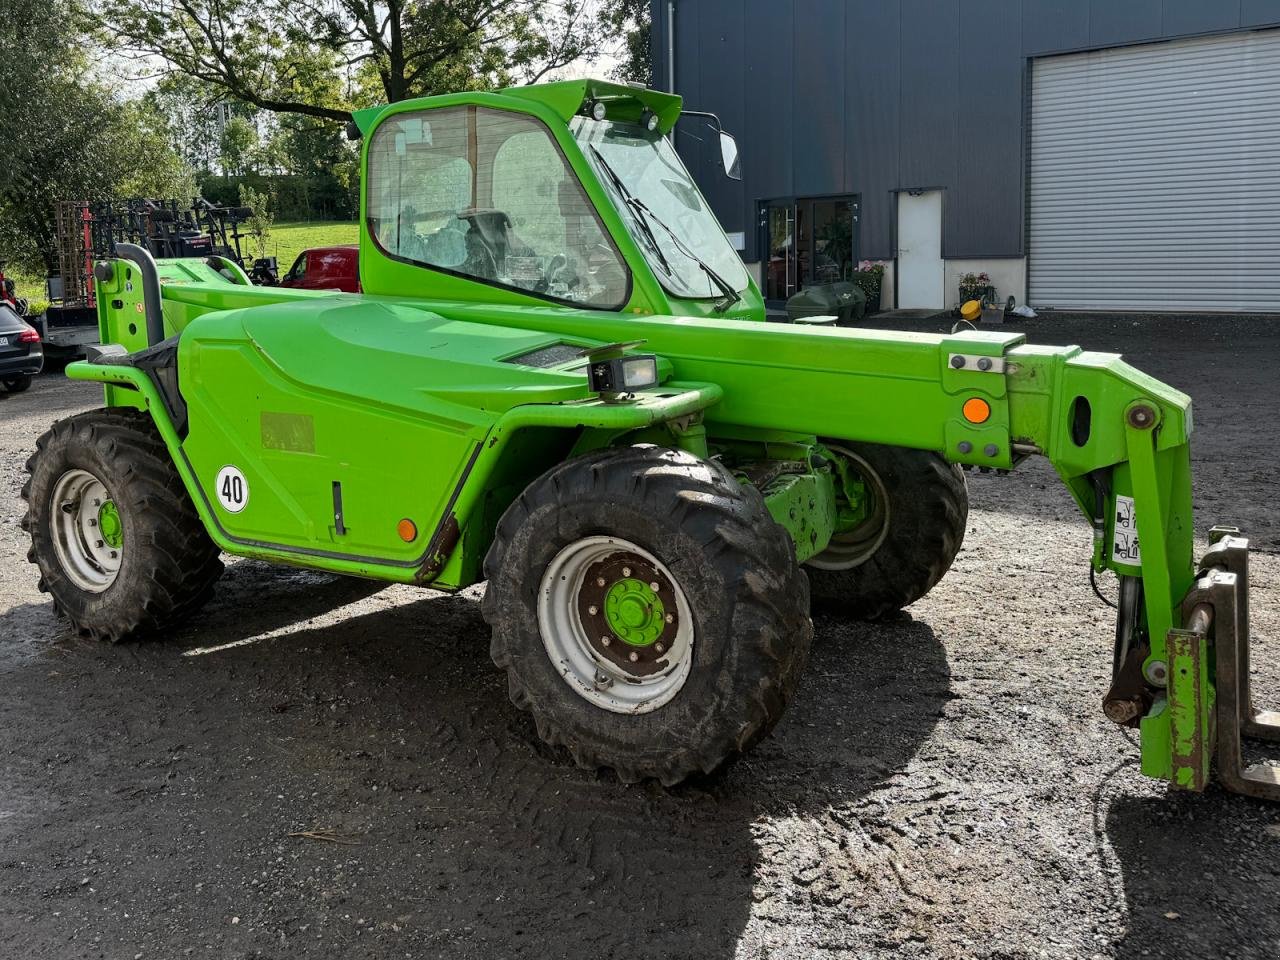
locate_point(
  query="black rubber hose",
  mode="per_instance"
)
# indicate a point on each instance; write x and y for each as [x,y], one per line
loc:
[150,289]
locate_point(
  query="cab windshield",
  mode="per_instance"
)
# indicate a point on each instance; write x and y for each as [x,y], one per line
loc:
[673,224]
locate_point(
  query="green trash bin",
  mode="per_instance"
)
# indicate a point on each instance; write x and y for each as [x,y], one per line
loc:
[843,301]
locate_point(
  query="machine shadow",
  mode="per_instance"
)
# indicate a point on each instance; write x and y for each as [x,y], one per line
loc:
[456,832]
[1200,875]
[252,598]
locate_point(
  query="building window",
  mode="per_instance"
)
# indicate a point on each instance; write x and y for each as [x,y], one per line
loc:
[486,194]
[806,242]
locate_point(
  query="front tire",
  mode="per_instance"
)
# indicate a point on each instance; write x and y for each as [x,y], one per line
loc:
[118,543]
[914,527]
[649,612]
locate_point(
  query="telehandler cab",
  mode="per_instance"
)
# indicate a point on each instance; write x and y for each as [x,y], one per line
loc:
[557,380]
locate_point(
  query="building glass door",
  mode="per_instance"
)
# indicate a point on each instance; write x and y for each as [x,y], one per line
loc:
[779,248]
[806,241]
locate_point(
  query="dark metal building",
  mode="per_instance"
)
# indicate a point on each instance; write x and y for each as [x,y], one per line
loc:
[1083,153]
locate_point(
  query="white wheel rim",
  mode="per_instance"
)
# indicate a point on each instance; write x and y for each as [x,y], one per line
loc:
[846,555]
[85,554]
[584,666]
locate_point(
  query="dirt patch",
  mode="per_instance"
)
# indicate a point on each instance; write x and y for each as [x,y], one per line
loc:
[944,786]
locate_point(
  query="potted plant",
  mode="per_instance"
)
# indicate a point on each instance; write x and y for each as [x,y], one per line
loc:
[869,277]
[976,286]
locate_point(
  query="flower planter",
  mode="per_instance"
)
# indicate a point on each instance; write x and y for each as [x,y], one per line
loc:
[977,292]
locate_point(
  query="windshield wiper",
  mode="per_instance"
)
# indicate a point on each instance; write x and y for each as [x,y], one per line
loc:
[731,295]
[643,218]
[637,208]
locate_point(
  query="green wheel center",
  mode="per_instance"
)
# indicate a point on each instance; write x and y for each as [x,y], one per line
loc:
[110,525]
[634,612]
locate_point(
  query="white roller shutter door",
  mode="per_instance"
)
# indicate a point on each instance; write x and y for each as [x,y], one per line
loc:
[1155,177]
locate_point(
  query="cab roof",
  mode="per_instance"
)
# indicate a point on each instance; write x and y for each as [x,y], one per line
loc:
[566,98]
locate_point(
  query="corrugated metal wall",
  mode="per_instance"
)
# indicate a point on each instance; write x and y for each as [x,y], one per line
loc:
[873,96]
[1154,176]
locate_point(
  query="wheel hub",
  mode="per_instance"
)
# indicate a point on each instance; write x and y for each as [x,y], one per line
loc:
[623,614]
[87,531]
[634,612]
[615,624]
[110,525]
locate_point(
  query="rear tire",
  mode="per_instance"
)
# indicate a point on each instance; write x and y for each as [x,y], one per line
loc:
[731,609]
[17,384]
[917,524]
[118,543]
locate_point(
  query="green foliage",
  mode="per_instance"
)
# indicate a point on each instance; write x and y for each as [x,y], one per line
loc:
[142,155]
[288,57]
[191,117]
[237,145]
[294,197]
[257,226]
[631,21]
[869,277]
[65,136]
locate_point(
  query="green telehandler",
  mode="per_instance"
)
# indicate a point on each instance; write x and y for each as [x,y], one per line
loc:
[557,379]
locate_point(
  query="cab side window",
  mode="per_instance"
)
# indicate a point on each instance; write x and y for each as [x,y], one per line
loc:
[487,194]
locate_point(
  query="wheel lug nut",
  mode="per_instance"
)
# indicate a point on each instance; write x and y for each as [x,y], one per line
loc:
[634,656]
[654,586]
[599,581]
[659,648]
[605,641]
[671,618]
[593,609]
[626,571]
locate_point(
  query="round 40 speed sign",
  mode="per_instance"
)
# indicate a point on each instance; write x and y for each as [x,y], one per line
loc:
[231,489]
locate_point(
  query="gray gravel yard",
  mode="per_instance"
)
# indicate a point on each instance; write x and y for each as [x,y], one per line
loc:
[943,786]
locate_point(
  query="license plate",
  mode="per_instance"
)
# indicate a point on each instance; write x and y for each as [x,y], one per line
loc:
[4,341]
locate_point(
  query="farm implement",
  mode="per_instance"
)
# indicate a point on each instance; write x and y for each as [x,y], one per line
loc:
[558,380]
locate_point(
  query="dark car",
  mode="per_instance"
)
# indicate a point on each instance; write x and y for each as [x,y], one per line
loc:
[21,353]
[326,268]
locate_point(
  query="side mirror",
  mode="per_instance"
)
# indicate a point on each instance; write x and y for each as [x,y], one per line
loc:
[729,156]
[728,145]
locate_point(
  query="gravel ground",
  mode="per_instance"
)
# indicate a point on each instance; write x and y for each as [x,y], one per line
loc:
[943,786]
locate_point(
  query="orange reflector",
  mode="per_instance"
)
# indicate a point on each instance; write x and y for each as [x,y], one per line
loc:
[407,529]
[977,410]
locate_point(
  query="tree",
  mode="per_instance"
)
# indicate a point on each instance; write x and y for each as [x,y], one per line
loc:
[262,51]
[259,225]
[237,146]
[65,135]
[631,20]
[191,111]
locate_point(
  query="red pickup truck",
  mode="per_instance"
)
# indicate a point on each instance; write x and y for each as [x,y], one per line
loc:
[326,268]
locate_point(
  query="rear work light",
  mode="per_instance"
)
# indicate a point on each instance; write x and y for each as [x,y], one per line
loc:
[29,335]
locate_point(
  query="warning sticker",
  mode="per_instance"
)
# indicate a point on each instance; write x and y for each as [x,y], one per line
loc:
[1124,540]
